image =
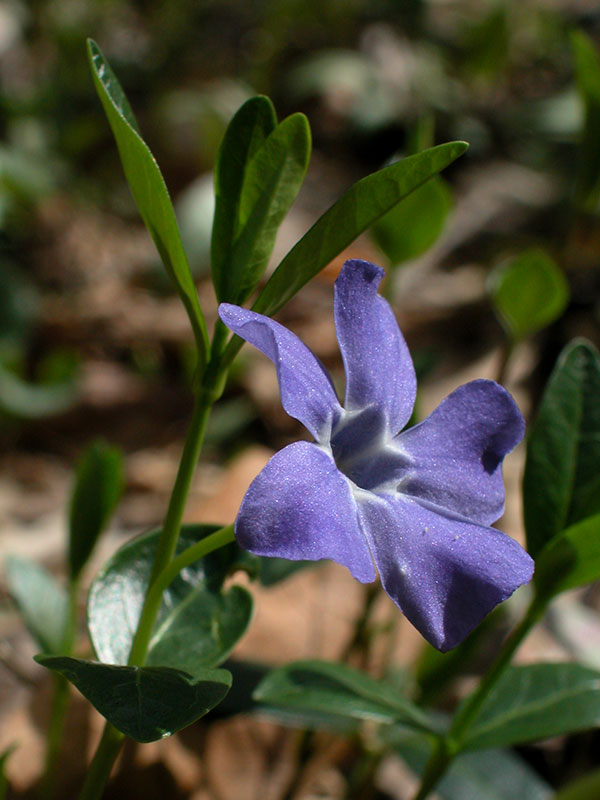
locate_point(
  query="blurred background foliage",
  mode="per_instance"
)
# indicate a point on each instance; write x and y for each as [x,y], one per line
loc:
[378,79]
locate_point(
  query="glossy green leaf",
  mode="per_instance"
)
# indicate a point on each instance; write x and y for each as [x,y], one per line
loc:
[149,190]
[491,775]
[117,595]
[330,688]
[41,600]
[561,484]
[97,489]
[240,210]
[272,180]
[362,205]
[528,293]
[202,630]
[537,701]
[414,225]
[145,703]
[587,73]
[570,560]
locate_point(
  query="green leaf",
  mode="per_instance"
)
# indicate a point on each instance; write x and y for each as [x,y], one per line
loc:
[145,703]
[202,630]
[41,601]
[570,560]
[413,226]
[587,73]
[561,484]
[361,206]
[536,701]
[97,489]
[492,775]
[149,190]
[245,135]
[194,601]
[272,180]
[528,293]
[330,688]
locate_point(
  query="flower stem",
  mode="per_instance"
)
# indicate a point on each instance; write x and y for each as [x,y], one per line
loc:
[110,743]
[197,551]
[102,763]
[449,746]
[171,527]
[505,357]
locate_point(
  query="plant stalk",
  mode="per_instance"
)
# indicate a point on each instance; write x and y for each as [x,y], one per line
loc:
[110,743]
[171,527]
[102,763]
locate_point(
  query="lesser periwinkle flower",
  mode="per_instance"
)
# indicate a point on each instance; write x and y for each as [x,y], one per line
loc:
[416,506]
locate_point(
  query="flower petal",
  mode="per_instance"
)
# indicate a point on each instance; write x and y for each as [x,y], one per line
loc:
[444,573]
[457,451]
[307,393]
[301,507]
[378,366]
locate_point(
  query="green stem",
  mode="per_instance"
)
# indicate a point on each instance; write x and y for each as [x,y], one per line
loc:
[191,554]
[102,763]
[171,527]
[449,746]
[505,356]
[60,701]
[110,744]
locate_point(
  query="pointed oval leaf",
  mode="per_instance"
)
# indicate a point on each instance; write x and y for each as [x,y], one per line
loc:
[144,703]
[414,225]
[97,489]
[245,134]
[149,190]
[117,593]
[570,560]
[528,293]
[537,701]
[357,209]
[326,687]
[272,179]
[202,630]
[561,483]
[41,601]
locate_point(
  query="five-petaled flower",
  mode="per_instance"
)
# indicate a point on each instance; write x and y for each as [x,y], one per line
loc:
[416,505]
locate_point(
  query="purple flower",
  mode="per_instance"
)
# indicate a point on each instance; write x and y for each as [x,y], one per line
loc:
[415,505]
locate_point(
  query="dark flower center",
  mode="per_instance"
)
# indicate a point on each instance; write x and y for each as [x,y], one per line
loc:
[362,450]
